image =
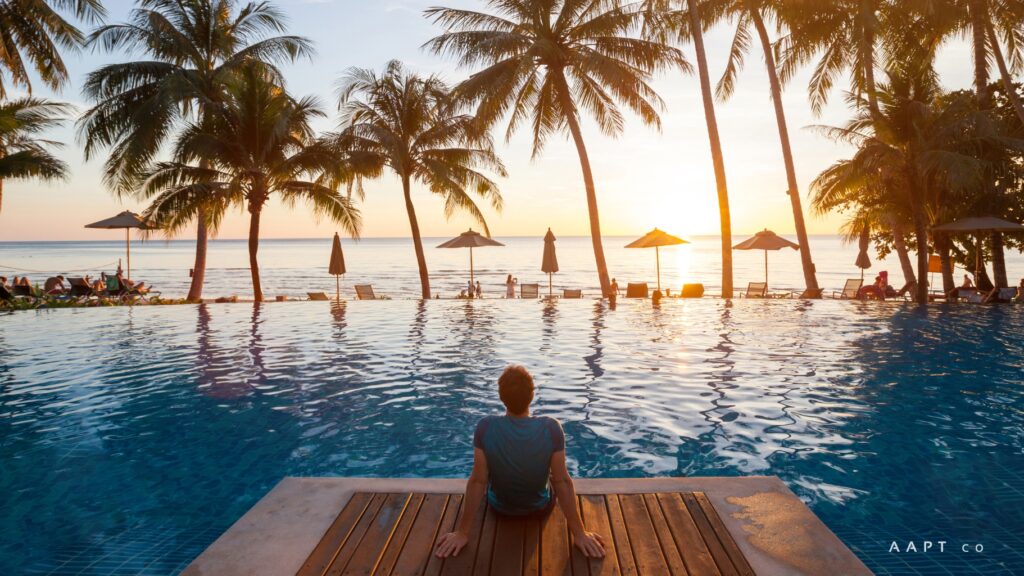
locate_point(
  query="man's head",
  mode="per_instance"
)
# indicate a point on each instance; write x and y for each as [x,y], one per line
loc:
[515,387]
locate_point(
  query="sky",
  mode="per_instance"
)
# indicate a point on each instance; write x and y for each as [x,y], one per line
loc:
[644,178]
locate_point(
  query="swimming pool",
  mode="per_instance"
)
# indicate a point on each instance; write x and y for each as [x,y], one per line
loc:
[131,438]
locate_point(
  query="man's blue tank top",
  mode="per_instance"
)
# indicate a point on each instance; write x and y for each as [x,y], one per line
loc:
[518,452]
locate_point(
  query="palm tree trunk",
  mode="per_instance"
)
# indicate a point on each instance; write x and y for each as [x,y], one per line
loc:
[921,235]
[942,243]
[899,243]
[195,290]
[417,241]
[810,279]
[867,48]
[254,246]
[979,22]
[588,180]
[717,158]
[1004,74]
[998,261]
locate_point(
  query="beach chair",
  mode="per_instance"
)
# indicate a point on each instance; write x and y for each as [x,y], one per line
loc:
[365,292]
[810,294]
[531,291]
[757,290]
[1006,295]
[692,291]
[80,290]
[637,290]
[318,296]
[6,296]
[851,291]
[572,294]
[22,291]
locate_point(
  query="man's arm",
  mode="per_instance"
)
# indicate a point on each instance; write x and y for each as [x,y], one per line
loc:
[452,543]
[590,543]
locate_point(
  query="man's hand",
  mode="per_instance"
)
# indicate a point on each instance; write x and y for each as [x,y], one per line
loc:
[590,543]
[450,544]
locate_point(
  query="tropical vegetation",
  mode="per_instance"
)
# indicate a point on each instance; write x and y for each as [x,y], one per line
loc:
[23,152]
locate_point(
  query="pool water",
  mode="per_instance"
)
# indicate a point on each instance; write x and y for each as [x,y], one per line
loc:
[131,438]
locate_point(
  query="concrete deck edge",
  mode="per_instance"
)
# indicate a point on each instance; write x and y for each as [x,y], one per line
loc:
[775,530]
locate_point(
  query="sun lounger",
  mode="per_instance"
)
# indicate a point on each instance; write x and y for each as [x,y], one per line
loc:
[692,291]
[637,290]
[529,291]
[22,291]
[809,294]
[6,296]
[1006,295]
[80,289]
[318,296]
[226,300]
[365,292]
[572,294]
[851,290]
[757,290]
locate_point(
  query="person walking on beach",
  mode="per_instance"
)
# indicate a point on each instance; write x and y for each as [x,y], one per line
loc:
[519,469]
[510,287]
[615,287]
[479,292]
[470,289]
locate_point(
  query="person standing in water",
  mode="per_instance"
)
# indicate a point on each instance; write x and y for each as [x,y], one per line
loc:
[510,287]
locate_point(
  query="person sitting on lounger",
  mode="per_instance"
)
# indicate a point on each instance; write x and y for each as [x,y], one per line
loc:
[54,285]
[514,456]
[3,281]
[1020,291]
[968,283]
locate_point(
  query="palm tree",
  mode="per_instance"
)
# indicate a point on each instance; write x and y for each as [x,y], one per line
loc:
[544,60]
[687,21]
[22,153]
[752,13]
[409,124]
[33,32]
[256,143]
[193,47]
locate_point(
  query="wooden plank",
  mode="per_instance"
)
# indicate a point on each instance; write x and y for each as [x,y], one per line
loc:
[451,515]
[400,536]
[726,539]
[689,542]
[336,535]
[419,546]
[366,554]
[708,534]
[676,566]
[484,551]
[623,543]
[642,536]
[507,555]
[531,548]
[595,518]
[580,563]
[554,546]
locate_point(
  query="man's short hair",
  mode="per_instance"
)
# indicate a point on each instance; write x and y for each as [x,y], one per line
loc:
[515,387]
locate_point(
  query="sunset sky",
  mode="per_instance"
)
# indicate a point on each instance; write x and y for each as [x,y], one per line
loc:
[644,179]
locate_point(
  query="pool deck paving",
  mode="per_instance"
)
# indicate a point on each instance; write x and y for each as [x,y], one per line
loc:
[685,526]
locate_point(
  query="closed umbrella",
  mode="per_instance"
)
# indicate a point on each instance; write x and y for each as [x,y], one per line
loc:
[550,264]
[337,265]
[126,220]
[980,226]
[470,240]
[656,239]
[765,240]
[863,259]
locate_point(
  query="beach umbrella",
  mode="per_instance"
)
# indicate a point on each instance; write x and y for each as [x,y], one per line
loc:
[765,240]
[979,225]
[863,259]
[550,264]
[126,220]
[337,265]
[656,239]
[470,240]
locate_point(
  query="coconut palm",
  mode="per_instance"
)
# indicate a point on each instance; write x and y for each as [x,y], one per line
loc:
[686,21]
[255,143]
[22,153]
[191,48]
[755,14]
[33,33]
[545,60]
[409,124]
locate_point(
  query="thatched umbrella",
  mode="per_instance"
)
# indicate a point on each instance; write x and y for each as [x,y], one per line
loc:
[980,226]
[470,240]
[656,239]
[550,263]
[863,259]
[766,240]
[128,221]
[337,266]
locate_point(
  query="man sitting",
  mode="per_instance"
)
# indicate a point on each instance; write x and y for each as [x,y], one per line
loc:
[54,285]
[514,456]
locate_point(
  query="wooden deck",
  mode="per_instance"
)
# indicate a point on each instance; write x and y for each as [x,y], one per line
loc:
[393,534]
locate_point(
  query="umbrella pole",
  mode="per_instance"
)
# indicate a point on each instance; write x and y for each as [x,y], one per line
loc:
[471,265]
[657,259]
[337,287]
[550,293]
[766,271]
[977,262]
[128,246]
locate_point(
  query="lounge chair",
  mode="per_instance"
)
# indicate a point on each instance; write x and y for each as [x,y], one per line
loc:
[572,294]
[22,291]
[757,290]
[365,292]
[692,291]
[530,291]
[810,294]
[318,296]
[851,291]
[637,290]
[6,296]
[80,290]
[1006,295]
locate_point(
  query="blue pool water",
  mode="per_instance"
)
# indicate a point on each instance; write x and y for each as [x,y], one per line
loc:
[131,438]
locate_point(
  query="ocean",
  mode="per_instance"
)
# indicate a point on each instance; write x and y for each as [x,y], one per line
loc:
[294,267]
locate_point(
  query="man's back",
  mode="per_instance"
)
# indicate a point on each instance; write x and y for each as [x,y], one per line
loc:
[518,451]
